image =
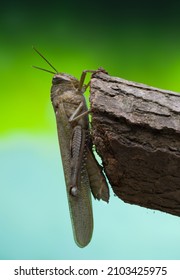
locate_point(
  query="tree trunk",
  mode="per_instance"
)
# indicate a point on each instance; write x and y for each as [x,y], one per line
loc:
[136,130]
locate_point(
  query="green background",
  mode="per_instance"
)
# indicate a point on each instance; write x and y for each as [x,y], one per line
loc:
[135,40]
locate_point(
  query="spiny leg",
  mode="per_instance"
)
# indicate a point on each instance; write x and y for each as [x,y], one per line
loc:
[77,153]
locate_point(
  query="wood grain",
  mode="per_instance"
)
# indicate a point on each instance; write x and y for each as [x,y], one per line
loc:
[136,130]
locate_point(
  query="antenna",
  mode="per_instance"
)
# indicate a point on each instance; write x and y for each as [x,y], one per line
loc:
[46,61]
[39,68]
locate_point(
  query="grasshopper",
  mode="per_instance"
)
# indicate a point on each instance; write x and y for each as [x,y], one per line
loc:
[82,172]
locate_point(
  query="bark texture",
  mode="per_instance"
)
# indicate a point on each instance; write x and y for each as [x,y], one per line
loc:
[136,130]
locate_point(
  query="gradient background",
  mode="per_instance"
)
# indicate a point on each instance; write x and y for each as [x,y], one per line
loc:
[136,40]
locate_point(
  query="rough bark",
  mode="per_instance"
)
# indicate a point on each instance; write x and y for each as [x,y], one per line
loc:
[136,130]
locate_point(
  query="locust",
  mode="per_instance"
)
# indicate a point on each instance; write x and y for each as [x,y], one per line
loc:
[83,174]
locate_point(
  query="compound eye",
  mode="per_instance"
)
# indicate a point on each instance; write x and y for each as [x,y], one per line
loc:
[59,79]
[56,80]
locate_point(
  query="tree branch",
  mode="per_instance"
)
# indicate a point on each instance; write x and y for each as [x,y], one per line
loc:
[136,130]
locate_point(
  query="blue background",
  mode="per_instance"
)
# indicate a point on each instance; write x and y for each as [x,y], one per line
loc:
[34,215]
